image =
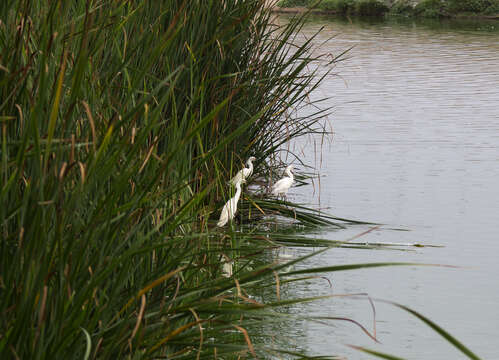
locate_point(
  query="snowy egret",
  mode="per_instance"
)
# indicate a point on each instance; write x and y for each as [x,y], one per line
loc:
[282,186]
[227,269]
[230,207]
[244,172]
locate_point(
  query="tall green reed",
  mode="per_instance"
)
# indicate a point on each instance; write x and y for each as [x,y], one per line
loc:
[120,124]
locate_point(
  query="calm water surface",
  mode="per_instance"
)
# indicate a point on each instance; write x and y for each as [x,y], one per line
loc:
[416,145]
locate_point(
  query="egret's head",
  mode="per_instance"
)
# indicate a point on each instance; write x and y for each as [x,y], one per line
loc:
[290,168]
[252,158]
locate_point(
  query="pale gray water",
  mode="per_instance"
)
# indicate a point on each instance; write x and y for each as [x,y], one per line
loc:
[416,145]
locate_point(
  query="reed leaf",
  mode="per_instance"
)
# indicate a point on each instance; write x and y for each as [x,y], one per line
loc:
[452,340]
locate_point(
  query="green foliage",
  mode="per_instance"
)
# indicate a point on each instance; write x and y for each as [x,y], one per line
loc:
[370,8]
[402,7]
[292,3]
[354,7]
[468,5]
[342,7]
[493,9]
[431,8]
[424,8]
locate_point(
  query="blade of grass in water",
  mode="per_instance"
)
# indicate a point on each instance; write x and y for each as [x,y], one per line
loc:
[376,353]
[452,340]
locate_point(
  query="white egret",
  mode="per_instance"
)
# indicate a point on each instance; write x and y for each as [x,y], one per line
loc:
[282,186]
[244,172]
[230,207]
[227,269]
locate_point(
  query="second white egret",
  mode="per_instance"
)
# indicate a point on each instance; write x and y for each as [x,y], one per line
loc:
[282,186]
[245,172]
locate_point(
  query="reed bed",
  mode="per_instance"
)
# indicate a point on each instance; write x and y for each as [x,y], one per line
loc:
[121,123]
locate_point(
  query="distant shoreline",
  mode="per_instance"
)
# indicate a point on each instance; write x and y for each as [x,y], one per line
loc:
[302,9]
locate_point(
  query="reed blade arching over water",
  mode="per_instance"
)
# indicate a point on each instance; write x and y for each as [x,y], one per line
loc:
[121,123]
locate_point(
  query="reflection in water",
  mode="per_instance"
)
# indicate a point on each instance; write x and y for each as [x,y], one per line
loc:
[416,145]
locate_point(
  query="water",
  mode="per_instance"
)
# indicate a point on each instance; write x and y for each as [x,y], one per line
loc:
[416,146]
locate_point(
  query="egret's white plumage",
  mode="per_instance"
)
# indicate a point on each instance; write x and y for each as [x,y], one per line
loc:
[244,173]
[230,207]
[282,186]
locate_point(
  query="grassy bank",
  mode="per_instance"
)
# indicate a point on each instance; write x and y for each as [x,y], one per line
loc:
[410,8]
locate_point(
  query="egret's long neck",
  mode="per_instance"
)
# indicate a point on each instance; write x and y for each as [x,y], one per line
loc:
[290,174]
[238,191]
[250,165]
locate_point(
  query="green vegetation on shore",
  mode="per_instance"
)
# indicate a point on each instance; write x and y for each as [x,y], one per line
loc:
[421,8]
